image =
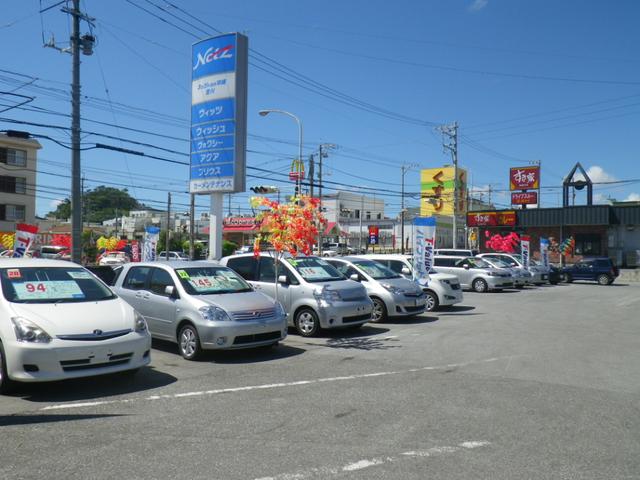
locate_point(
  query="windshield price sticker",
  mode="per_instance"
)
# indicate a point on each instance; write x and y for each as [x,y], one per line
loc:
[80,275]
[313,272]
[47,290]
[183,274]
[14,273]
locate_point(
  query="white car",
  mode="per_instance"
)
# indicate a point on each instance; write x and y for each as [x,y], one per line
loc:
[441,290]
[58,321]
[114,258]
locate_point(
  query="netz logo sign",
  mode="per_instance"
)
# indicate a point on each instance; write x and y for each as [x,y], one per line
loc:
[212,54]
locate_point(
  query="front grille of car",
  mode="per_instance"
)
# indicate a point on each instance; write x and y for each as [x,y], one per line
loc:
[258,337]
[356,318]
[455,286]
[258,314]
[85,363]
[415,309]
[96,335]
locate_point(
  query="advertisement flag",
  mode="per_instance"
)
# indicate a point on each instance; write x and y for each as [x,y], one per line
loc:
[424,240]
[374,232]
[25,235]
[219,114]
[525,250]
[135,251]
[544,252]
[151,236]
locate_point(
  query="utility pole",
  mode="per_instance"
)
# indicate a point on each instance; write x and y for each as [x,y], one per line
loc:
[451,131]
[85,42]
[311,174]
[192,214]
[404,169]
[321,154]
[361,213]
[166,240]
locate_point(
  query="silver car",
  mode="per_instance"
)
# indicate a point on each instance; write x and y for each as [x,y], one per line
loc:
[520,276]
[313,293]
[538,275]
[392,294]
[201,306]
[474,273]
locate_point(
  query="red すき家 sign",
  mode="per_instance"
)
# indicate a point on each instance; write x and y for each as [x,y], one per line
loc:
[524,178]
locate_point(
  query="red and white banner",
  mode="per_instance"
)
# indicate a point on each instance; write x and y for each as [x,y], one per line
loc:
[25,235]
[491,219]
[524,198]
[524,178]
[135,251]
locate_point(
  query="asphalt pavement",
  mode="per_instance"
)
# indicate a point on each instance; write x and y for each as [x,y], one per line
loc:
[542,383]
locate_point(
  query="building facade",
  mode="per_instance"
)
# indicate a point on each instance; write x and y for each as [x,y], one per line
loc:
[18,167]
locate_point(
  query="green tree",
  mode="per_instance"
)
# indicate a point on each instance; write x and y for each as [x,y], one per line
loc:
[100,204]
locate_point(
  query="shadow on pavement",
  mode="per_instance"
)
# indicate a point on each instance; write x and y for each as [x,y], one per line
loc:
[94,387]
[254,355]
[410,320]
[362,343]
[367,330]
[16,420]
[457,308]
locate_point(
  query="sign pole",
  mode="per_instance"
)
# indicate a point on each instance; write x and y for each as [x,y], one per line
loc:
[215,226]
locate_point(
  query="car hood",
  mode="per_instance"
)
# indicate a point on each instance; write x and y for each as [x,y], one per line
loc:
[401,283]
[77,318]
[443,276]
[235,302]
[348,289]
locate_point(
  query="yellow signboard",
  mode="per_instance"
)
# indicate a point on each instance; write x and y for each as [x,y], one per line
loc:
[436,191]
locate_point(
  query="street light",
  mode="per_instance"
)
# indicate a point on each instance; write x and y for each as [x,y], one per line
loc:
[264,113]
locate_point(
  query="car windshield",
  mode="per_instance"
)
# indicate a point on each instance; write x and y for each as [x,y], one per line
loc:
[52,285]
[517,257]
[498,263]
[473,262]
[315,269]
[211,280]
[375,270]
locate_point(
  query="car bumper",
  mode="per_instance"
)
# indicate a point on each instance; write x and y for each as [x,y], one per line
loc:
[496,283]
[242,334]
[404,306]
[62,359]
[451,297]
[344,314]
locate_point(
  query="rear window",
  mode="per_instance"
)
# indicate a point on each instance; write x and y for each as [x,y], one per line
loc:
[52,285]
[244,266]
[444,262]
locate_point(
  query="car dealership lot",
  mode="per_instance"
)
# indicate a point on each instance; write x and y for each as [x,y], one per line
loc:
[539,383]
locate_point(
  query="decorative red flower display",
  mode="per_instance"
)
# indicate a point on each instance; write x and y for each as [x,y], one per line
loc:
[506,244]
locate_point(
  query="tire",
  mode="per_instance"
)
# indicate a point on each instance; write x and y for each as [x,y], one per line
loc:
[189,342]
[520,286]
[479,285]
[566,278]
[6,384]
[432,302]
[604,279]
[379,313]
[307,322]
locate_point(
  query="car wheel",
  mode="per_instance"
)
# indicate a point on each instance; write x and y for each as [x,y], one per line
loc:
[379,313]
[189,342]
[519,286]
[6,384]
[566,278]
[479,285]
[604,279]
[307,322]
[432,302]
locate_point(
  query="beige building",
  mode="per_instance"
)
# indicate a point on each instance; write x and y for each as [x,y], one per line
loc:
[18,166]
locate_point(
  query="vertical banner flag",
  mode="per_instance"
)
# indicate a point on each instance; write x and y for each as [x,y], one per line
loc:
[525,249]
[151,236]
[374,232]
[25,235]
[424,241]
[219,114]
[544,252]
[135,251]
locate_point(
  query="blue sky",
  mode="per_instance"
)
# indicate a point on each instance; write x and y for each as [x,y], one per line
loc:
[552,81]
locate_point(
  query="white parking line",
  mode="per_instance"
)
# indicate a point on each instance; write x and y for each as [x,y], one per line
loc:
[265,386]
[324,472]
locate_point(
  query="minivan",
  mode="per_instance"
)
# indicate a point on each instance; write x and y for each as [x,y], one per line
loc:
[474,273]
[313,293]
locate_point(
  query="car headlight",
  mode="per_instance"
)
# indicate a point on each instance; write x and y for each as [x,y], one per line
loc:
[392,289]
[214,314]
[27,331]
[493,274]
[448,282]
[327,295]
[139,323]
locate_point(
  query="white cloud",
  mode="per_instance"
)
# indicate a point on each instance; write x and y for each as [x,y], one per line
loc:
[54,203]
[600,199]
[596,174]
[478,5]
[633,197]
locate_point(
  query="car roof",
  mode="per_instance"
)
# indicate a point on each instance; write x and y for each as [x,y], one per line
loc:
[9,262]
[268,253]
[383,256]
[175,263]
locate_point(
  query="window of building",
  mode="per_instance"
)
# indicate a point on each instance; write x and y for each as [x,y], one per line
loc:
[10,156]
[10,184]
[379,217]
[368,216]
[588,244]
[12,213]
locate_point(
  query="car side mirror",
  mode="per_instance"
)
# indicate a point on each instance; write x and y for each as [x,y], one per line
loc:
[466,266]
[283,279]
[170,290]
[405,271]
[513,264]
[354,277]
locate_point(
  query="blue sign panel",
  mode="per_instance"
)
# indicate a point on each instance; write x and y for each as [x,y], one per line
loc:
[218,114]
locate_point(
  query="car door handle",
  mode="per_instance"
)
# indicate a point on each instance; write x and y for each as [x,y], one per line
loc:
[138,294]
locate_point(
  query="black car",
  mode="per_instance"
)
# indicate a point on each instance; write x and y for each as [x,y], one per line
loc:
[600,269]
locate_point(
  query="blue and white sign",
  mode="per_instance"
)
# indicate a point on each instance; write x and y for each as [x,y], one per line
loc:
[219,114]
[424,242]
[544,252]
